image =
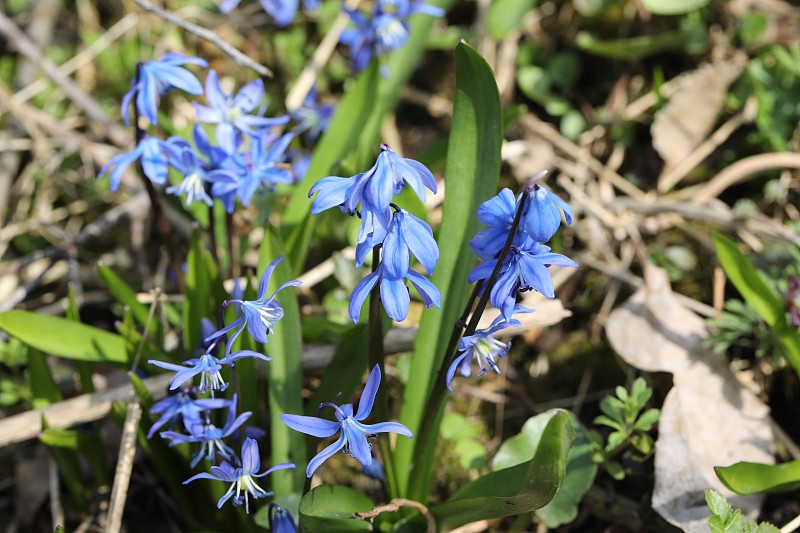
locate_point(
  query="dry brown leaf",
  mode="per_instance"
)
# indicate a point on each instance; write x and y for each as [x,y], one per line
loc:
[708,419]
[687,119]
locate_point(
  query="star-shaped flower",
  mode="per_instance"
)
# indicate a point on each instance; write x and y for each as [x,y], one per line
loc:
[242,479]
[354,434]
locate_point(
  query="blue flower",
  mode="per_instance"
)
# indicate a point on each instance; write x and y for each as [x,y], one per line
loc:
[232,113]
[259,316]
[385,30]
[354,433]
[542,216]
[373,191]
[196,173]
[394,293]
[406,235]
[525,268]
[207,366]
[156,78]
[153,155]
[241,478]
[210,436]
[483,348]
[312,118]
[182,405]
[280,520]
[281,11]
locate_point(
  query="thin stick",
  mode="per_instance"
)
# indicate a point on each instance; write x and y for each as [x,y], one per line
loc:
[791,526]
[207,35]
[56,510]
[394,506]
[122,476]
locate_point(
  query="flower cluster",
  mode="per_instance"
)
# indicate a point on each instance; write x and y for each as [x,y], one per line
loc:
[246,155]
[382,30]
[281,11]
[354,433]
[524,267]
[399,233]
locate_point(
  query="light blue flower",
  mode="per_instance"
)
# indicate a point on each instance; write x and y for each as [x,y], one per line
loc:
[158,77]
[242,479]
[153,154]
[281,11]
[373,191]
[407,235]
[185,406]
[312,118]
[195,173]
[354,434]
[482,348]
[210,436]
[259,316]
[394,293]
[525,268]
[208,367]
[542,216]
[232,114]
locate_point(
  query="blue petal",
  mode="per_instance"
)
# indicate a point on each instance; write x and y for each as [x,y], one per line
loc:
[322,456]
[368,396]
[265,277]
[395,298]
[332,192]
[499,210]
[251,462]
[388,427]
[419,239]
[395,251]
[357,443]
[254,324]
[451,370]
[249,96]
[360,294]
[427,291]
[311,425]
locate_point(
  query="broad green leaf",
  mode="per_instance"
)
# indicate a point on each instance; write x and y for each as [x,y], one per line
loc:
[473,164]
[673,7]
[519,489]
[43,386]
[330,508]
[285,371]
[753,478]
[64,338]
[507,15]
[338,141]
[581,470]
[633,48]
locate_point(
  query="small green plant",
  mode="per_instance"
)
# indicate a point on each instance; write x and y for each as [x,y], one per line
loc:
[726,519]
[630,438]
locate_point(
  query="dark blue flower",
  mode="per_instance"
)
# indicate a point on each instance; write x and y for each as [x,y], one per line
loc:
[185,406]
[156,78]
[354,433]
[259,316]
[210,436]
[242,479]
[542,216]
[280,520]
[525,268]
[482,348]
[152,153]
[231,113]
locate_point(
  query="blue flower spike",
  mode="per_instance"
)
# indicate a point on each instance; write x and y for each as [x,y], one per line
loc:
[259,316]
[242,479]
[354,433]
[156,78]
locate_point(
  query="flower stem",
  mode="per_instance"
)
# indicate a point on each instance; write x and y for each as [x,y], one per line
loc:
[418,485]
[376,355]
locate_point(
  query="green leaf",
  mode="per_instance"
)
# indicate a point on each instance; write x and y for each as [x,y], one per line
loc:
[754,478]
[580,469]
[125,295]
[198,303]
[285,371]
[519,489]
[673,7]
[633,48]
[747,281]
[718,504]
[646,420]
[43,386]
[473,164]
[346,369]
[62,443]
[330,508]
[338,141]
[64,338]
[507,15]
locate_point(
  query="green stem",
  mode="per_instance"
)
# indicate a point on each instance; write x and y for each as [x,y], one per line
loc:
[376,355]
[422,458]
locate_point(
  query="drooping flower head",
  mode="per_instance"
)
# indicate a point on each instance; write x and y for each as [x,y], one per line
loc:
[156,78]
[354,433]
[482,349]
[153,155]
[185,406]
[259,316]
[232,113]
[208,367]
[280,520]
[209,436]
[243,478]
